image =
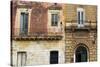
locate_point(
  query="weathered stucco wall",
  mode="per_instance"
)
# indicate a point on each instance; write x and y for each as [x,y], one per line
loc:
[38,52]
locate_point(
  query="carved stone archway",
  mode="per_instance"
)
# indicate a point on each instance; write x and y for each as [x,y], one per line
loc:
[81,53]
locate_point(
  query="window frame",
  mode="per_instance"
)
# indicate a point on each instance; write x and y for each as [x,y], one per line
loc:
[50,12]
[23,30]
[17,20]
[54,20]
[21,53]
[80,17]
[52,61]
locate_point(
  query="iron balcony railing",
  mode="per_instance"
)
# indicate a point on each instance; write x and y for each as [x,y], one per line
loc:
[89,25]
[53,33]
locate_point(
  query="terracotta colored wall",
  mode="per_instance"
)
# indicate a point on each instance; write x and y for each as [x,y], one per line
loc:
[13,15]
[39,15]
[38,23]
[38,20]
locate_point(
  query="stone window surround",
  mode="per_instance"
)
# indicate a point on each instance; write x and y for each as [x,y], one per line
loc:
[49,25]
[82,46]
[79,9]
[17,20]
[50,12]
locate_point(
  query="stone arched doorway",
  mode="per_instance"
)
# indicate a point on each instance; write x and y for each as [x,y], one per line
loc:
[81,54]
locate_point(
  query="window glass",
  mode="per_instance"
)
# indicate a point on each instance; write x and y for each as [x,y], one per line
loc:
[24,23]
[80,17]
[54,19]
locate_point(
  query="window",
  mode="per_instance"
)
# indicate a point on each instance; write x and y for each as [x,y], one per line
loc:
[81,54]
[54,57]
[80,16]
[23,23]
[54,19]
[21,58]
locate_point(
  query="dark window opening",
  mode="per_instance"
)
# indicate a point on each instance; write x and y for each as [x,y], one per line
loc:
[82,17]
[78,17]
[54,57]
[81,54]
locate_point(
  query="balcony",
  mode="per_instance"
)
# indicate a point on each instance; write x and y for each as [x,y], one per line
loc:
[50,34]
[87,26]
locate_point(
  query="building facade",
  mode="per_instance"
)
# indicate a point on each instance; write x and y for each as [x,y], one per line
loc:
[80,32]
[52,33]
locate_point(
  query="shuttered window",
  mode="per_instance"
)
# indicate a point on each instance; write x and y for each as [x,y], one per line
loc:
[23,23]
[54,19]
[80,17]
[21,58]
